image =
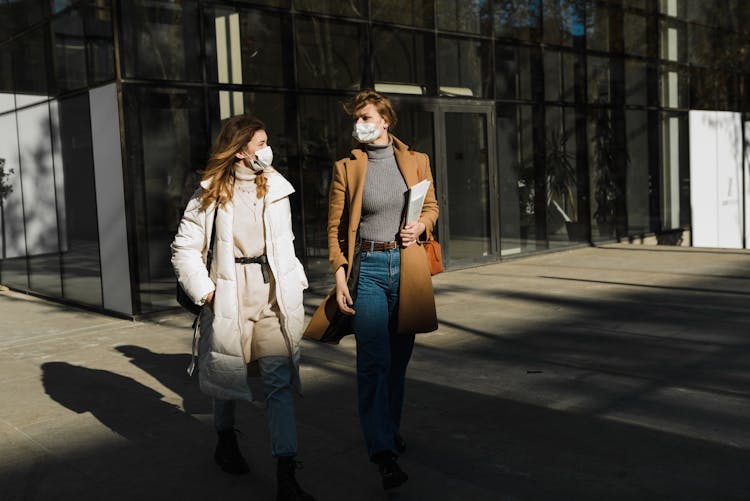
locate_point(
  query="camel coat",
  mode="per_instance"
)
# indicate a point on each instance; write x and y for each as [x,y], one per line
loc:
[416,309]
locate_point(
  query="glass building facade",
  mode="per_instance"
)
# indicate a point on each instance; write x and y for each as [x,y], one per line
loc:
[549,123]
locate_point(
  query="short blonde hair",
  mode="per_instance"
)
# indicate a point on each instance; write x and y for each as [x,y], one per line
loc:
[382,104]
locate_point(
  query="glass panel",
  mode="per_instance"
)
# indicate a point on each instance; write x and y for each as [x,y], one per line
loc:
[14,272]
[635,83]
[673,8]
[517,19]
[248,47]
[69,45]
[512,72]
[466,16]
[703,88]
[79,233]
[604,188]
[97,24]
[29,68]
[410,12]
[402,61]
[675,179]
[634,29]
[463,67]
[351,8]
[159,39]
[552,76]
[7,98]
[468,186]
[278,113]
[328,53]
[25,13]
[40,209]
[701,48]
[599,83]
[563,21]
[638,181]
[326,136]
[284,4]
[166,135]
[563,225]
[597,28]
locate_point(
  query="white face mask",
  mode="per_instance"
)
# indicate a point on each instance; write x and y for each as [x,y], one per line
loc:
[366,133]
[265,158]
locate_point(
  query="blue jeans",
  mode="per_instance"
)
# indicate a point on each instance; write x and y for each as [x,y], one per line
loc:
[276,373]
[382,355]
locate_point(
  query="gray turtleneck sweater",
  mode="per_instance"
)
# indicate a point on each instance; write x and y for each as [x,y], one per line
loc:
[384,197]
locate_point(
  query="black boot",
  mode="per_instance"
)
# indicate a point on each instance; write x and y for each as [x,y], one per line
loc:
[288,489]
[228,455]
[390,472]
[400,444]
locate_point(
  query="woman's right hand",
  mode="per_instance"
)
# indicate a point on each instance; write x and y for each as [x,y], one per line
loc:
[343,298]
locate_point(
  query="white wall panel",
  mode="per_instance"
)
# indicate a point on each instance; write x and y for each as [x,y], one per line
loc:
[703,199]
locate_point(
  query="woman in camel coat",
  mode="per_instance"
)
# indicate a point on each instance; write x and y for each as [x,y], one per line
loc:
[392,298]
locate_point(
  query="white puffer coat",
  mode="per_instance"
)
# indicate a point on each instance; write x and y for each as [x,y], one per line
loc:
[222,369]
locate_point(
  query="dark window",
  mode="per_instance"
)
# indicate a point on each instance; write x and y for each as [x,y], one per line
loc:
[166,138]
[518,19]
[74,170]
[638,181]
[563,22]
[467,17]
[409,12]
[597,27]
[635,83]
[160,39]
[249,47]
[561,178]
[599,79]
[634,30]
[30,67]
[463,66]
[351,8]
[329,53]
[512,72]
[403,61]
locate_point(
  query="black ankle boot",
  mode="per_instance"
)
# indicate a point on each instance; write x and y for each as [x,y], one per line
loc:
[228,455]
[288,489]
[390,472]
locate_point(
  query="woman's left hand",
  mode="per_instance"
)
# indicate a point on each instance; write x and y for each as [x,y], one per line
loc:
[410,233]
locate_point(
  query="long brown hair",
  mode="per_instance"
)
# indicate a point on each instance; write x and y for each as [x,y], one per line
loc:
[232,139]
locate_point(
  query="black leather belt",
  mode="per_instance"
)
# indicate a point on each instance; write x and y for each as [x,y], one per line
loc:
[370,246]
[261,260]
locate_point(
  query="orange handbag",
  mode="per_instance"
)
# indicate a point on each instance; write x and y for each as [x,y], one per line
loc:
[434,254]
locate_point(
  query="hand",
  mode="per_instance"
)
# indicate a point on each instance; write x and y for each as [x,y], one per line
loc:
[210,298]
[343,298]
[410,233]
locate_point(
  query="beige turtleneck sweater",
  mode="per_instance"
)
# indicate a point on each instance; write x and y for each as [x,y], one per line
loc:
[259,314]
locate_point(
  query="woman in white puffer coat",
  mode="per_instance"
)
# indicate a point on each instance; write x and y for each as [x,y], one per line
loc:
[252,315]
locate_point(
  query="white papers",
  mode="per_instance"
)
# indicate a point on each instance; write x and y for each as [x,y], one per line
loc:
[417,194]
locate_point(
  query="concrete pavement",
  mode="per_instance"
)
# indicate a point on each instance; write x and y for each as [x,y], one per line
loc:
[619,372]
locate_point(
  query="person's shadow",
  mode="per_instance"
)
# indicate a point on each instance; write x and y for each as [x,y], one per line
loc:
[171,371]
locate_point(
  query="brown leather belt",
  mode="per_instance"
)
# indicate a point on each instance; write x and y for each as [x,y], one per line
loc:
[370,246]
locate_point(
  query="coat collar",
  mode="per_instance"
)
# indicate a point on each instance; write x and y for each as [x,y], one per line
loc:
[278,186]
[405,158]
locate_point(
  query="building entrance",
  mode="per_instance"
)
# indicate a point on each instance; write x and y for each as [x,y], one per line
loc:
[458,136]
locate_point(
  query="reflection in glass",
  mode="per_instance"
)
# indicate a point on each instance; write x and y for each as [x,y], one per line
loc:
[30,68]
[597,27]
[635,83]
[167,144]
[675,179]
[74,176]
[563,225]
[519,19]
[512,72]
[563,21]
[7,98]
[403,62]
[559,71]
[463,67]
[326,136]
[637,191]
[40,211]
[468,186]
[466,16]
[328,54]
[248,47]
[159,39]
[634,32]
[599,83]
[515,157]
[419,13]
[14,272]
[351,8]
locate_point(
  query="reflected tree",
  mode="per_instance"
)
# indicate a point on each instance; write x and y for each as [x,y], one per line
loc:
[5,188]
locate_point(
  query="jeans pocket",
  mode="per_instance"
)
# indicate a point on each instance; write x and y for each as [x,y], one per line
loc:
[364,255]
